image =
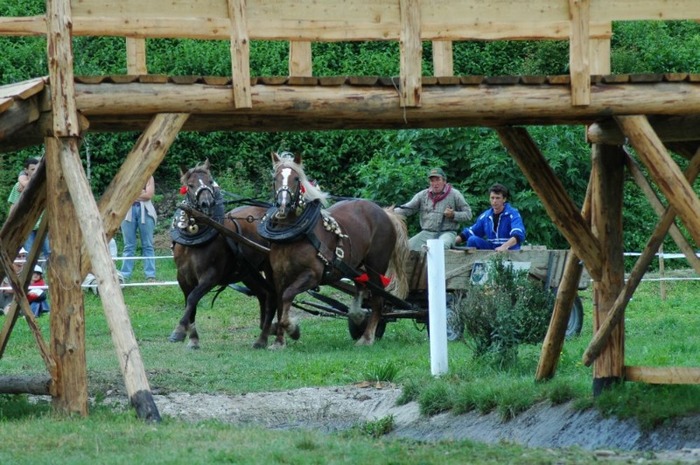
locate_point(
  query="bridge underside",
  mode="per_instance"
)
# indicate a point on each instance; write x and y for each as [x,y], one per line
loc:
[128,103]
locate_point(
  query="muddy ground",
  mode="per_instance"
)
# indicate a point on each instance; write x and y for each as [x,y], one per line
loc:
[339,408]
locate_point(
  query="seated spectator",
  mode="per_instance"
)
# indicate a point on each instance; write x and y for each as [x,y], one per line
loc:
[499,228]
[37,295]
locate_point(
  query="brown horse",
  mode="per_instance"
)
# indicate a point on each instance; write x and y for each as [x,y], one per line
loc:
[206,259]
[310,247]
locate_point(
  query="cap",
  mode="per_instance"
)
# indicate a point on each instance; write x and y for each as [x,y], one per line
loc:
[437,172]
[23,251]
[37,269]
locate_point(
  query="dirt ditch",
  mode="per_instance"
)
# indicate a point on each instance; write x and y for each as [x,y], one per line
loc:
[339,408]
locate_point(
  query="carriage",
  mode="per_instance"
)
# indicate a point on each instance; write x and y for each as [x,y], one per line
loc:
[298,247]
[464,267]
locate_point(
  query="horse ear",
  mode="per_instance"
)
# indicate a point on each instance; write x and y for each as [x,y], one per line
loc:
[206,164]
[275,158]
[297,159]
[183,170]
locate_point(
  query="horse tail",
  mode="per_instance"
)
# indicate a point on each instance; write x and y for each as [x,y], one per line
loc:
[399,256]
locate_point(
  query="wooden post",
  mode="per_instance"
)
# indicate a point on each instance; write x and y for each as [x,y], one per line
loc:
[606,221]
[411,49]
[136,56]
[662,283]
[300,62]
[68,313]
[579,52]
[240,54]
[443,62]
[616,312]
[556,333]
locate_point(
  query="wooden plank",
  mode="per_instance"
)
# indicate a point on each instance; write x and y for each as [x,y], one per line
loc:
[600,54]
[559,206]
[663,170]
[302,81]
[579,52]
[136,56]
[411,50]
[17,117]
[22,90]
[663,375]
[443,62]
[300,62]
[240,54]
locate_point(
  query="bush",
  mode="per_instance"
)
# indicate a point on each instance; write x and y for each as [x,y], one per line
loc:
[507,310]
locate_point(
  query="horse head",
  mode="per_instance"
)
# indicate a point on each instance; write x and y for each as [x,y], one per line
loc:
[291,187]
[200,187]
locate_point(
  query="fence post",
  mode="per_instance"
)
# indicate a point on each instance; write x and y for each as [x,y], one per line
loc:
[437,307]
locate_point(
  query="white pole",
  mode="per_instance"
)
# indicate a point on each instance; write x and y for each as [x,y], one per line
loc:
[437,307]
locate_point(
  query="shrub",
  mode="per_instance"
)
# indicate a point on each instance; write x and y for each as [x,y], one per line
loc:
[507,310]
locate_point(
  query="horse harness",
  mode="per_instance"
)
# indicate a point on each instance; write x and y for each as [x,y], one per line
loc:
[304,227]
[186,230]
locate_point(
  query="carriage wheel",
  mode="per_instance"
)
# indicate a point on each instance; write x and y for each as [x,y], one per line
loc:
[573,328]
[357,329]
[455,326]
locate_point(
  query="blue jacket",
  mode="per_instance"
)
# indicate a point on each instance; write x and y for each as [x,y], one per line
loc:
[510,225]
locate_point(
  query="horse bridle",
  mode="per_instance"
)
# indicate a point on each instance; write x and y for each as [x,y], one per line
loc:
[193,200]
[295,198]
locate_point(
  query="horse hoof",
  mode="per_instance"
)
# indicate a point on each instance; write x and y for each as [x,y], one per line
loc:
[193,345]
[276,346]
[296,333]
[364,342]
[259,345]
[176,337]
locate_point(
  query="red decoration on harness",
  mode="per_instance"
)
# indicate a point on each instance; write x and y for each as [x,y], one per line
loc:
[363,278]
[183,190]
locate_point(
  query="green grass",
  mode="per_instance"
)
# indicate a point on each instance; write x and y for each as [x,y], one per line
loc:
[658,332]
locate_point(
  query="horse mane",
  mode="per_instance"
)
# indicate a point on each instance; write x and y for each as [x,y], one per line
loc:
[311,192]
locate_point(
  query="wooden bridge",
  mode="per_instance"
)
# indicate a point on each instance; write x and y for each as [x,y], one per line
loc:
[655,113]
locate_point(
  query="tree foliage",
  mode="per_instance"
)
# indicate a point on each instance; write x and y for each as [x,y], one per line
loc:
[383,165]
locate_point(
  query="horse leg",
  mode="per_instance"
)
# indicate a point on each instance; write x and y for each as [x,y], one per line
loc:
[267,313]
[187,323]
[377,304]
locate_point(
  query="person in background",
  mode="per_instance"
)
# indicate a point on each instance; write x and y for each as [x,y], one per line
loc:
[37,295]
[141,219]
[7,295]
[25,175]
[498,228]
[30,165]
[441,208]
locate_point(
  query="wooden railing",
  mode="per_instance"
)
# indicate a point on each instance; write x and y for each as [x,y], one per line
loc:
[586,24]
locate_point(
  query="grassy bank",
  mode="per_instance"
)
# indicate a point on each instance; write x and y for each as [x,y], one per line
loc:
[658,333]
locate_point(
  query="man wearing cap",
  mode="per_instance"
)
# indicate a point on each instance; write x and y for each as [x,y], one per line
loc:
[441,208]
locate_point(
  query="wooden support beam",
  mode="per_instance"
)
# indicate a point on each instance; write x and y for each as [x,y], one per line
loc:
[17,116]
[411,49]
[579,52]
[663,375]
[617,310]
[556,332]
[664,171]
[559,206]
[95,241]
[606,222]
[668,128]
[240,54]
[300,62]
[673,230]
[60,58]
[375,107]
[139,165]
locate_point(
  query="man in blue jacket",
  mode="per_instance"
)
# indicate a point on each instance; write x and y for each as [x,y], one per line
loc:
[499,228]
